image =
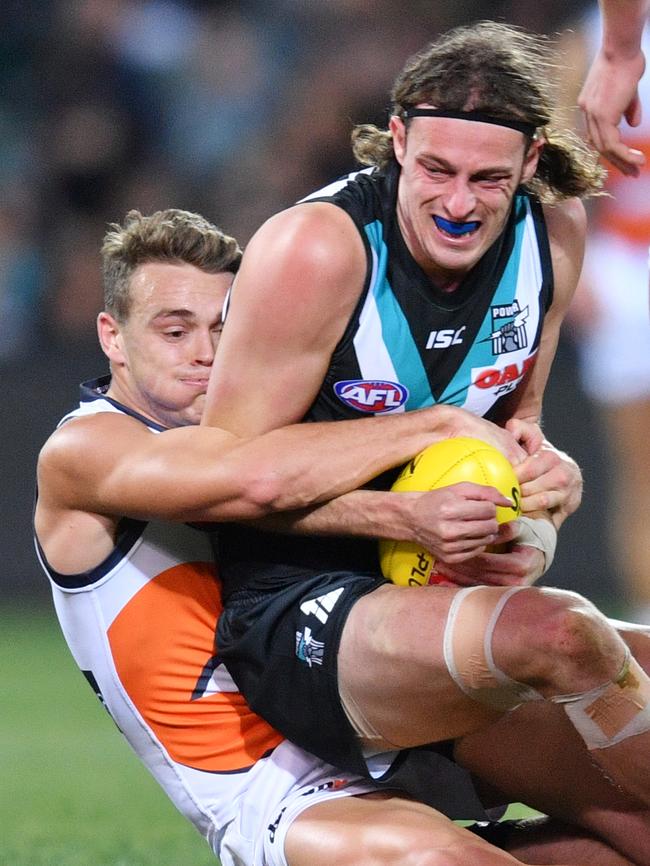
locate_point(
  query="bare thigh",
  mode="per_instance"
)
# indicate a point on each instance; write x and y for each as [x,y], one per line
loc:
[391,665]
[384,830]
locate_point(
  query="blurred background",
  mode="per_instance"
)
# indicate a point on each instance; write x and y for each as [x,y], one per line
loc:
[236,109]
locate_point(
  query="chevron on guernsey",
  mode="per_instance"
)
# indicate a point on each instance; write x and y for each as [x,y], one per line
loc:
[370,395]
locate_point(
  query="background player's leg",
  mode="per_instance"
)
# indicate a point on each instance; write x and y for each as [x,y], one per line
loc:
[627,427]
[534,755]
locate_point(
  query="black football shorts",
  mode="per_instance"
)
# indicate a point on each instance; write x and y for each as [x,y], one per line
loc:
[279,637]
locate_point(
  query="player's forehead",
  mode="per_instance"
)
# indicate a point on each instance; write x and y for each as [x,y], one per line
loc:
[165,287]
[465,142]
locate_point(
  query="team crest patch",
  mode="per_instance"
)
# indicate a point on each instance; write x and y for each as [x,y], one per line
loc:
[371,395]
[508,328]
[308,649]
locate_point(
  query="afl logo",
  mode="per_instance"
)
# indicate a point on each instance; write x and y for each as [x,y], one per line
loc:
[369,395]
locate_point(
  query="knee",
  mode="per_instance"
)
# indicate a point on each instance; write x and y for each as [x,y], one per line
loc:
[556,641]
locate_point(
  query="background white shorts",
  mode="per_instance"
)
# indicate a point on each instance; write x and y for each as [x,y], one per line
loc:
[615,354]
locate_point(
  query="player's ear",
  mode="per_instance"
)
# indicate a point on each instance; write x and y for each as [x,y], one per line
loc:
[398,131]
[110,337]
[531,159]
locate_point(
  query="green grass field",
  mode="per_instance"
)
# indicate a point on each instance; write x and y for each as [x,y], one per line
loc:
[72,793]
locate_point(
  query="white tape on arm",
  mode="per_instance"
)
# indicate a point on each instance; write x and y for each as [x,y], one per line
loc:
[539,533]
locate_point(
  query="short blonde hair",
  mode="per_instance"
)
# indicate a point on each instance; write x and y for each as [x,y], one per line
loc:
[170,235]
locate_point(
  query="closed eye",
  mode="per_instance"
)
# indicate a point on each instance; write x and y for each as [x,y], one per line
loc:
[492,179]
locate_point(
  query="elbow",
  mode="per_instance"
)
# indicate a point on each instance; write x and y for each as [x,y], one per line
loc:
[262,492]
[268,489]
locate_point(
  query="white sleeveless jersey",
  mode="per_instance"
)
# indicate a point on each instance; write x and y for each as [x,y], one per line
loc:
[141,627]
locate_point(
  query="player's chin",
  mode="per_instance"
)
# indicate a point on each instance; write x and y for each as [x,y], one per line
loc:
[197,402]
[192,412]
[455,257]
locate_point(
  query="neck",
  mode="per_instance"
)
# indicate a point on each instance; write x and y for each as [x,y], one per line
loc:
[120,391]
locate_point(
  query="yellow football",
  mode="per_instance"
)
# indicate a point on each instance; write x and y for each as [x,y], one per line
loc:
[441,464]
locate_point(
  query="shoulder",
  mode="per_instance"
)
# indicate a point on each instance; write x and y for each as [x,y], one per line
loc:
[80,443]
[311,237]
[568,215]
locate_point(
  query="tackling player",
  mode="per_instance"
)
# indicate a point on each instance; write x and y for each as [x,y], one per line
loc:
[138,599]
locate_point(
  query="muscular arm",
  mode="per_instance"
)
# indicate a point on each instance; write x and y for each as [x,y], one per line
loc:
[452,523]
[112,465]
[300,279]
[550,479]
[610,91]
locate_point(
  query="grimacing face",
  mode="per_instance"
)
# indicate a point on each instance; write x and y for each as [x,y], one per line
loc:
[162,355]
[457,182]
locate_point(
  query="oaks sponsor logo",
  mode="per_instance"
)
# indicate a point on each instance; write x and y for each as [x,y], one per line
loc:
[501,380]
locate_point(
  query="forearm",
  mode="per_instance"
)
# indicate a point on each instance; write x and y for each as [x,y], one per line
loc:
[453,523]
[361,514]
[207,474]
[206,478]
[623,23]
[313,463]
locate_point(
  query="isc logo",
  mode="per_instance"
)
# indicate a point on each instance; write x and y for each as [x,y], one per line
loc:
[369,395]
[445,338]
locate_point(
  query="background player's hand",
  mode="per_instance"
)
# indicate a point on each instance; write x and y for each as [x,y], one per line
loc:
[456,522]
[521,565]
[610,92]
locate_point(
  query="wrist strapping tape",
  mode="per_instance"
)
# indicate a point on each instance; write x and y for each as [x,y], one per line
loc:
[540,534]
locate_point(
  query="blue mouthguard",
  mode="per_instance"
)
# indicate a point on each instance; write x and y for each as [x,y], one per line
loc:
[455,228]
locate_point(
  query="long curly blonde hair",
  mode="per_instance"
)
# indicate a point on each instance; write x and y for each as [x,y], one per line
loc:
[501,71]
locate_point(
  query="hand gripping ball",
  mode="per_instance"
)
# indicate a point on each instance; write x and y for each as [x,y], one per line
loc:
[441,464]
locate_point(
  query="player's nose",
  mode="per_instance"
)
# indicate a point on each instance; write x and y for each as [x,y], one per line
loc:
[204,347]
[460,200]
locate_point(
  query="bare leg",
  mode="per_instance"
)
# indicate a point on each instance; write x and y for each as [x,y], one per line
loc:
[382,830]
[596,654]
[533,755]
[393,637]
[555,642]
